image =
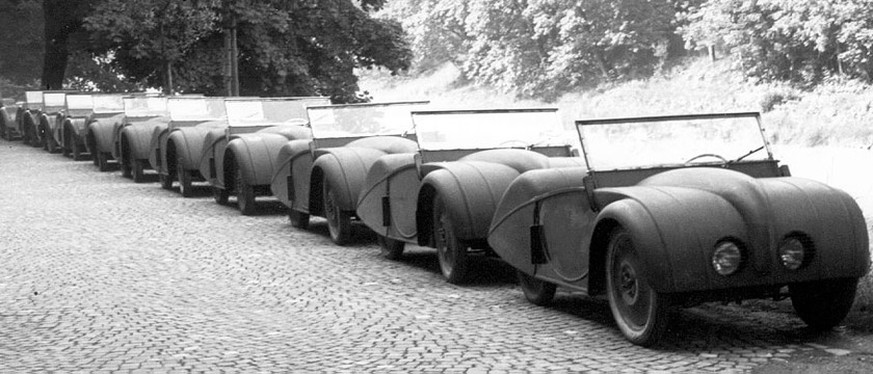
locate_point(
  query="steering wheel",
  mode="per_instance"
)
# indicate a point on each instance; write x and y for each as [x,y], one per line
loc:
[510,142]
[713,155]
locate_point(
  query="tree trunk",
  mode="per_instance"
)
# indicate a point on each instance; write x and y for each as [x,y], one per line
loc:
[57,31]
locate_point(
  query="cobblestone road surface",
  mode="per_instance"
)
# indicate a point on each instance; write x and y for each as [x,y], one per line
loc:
[100,274]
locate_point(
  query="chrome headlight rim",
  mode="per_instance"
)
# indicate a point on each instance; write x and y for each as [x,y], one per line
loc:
[728,256]
[795,251]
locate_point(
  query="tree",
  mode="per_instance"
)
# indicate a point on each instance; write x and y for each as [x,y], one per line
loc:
[62,22]
[21,40]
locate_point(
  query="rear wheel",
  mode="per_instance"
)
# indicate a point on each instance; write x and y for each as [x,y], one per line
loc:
[451,251]
[245,195]
[220,195]
[642,314]
[184,178]
[299,220]
[339,222]
[138,171]
[823,304]
[536,291]
[390,248]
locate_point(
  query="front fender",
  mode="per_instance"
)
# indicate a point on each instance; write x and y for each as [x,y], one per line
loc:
[188,142]
[157,148]
[137,139]
[294,160]
[346,169]
[471,191]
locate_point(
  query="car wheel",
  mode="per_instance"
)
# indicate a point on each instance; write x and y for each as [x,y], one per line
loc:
[126,170]
[642,314]
[298,220]
[823,304]
[339,223]
[390,248]
[245,195]
[184,178]
[64,150]
[50,145]
[138,171]
[166,181]
[220,195]
[536,291]
[102,161]
[77,152]
[451,251]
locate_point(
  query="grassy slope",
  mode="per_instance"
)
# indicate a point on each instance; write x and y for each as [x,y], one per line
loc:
[825,135]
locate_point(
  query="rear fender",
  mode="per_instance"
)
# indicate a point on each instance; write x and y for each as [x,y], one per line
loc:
[471,191]
[255,155]
[157,148]
[346,168]
[392,176]
[212,155]
[295,161]
[188,142]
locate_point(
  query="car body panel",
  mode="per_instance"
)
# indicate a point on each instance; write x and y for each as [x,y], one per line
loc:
[180,142]
[676,215]
[97,134]
[132,136]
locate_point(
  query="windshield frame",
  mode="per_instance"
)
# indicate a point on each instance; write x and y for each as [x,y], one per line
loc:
[232,124]
[579,124]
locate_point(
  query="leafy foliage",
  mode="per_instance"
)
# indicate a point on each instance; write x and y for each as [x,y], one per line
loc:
[799,41]
[21,40]
[541,47]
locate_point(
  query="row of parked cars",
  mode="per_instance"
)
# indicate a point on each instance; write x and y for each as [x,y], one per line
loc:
[651,213]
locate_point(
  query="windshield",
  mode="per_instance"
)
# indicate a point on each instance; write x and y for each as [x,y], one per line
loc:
[355,120]
[260,112]
[33,97]
[145,106]
[196,109]
[485,129]
[79,105]
[54,101]
[624,143]
[108,103]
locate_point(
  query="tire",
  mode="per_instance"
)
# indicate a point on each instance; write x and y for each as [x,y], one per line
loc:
[166,181]
[50,145]
[138,171]
[64,150]
[184,178]
[126,169]
[451,251]
[339,222]
[642,314]
[102,161]
[77,152]
[538,292]
[823,304]
[245,195]
[390,248]
[220,195]
[298,220]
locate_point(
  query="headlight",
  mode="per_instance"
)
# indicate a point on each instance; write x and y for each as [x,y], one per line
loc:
[727,257]
[792,253]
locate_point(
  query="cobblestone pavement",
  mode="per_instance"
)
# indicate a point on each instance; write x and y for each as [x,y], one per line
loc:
[100,274]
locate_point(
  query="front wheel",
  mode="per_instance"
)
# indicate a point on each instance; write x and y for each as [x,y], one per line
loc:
[536,291]
[823,304]
[339,222]
[642,314]
[50,144]
[245,195]
[77,152]
[184,178]
[166,181]
[451,251]
[391,249]
[102,161]
[298,220]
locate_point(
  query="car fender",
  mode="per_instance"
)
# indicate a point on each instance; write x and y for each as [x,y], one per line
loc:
[214,144]
[136,141]
[255,155]
[471,191]
[346,168]
[188,143]
[392,176]
[100,136]
[296,155]
[157,148]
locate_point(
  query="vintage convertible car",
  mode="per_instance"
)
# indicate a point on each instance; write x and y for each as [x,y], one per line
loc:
[8,115]
[676,210]
[324,175]
[108,113]
[79,108]
[444,195]
[27,118]
[52,119]
[132,136]
[175,149]
[240,159]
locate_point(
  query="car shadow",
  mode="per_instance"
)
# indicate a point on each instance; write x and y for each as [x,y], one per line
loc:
[484,271]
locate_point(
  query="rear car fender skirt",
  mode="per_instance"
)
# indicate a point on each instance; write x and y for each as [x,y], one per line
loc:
[471,191]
